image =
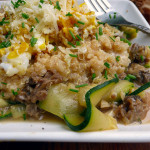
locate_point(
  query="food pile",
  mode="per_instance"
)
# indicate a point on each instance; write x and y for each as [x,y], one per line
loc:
[56,57]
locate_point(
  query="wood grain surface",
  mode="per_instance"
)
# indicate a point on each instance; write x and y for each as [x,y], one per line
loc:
[73,146]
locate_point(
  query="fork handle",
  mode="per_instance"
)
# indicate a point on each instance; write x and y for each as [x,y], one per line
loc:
[139,27]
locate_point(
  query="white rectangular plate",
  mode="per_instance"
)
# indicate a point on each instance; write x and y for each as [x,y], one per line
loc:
[56,130]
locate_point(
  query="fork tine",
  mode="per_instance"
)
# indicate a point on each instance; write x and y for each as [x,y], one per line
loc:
[96,5]
[102,5]
[91,7]
[107,3]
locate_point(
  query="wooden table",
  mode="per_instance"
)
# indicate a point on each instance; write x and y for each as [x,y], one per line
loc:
[73,146]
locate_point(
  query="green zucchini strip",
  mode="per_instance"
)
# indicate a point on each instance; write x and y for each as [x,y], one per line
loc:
[140,89]
[89,107]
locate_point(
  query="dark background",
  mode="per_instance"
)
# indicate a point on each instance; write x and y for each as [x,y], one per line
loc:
[144,6]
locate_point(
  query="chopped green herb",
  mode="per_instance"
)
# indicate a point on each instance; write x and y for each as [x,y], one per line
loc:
[127,78]
[111,38]
[110,16]
[76,25]
[57,6]
[55,48]
[117,58]
[139,120]
[17,4]
[131,76]
[71,44]
[101,23]
[78,43]
[93,76]
[105,75]
[116,76]
[72,55]
[9,33]
[126,41]
[25,16]
[50,2]
[74,90]
[142,58]
[149,46]
[23,25]
[3,22]
[24,116]
[4,83]
[37,20]
[5,44]
[78,36]
[82,85]
[80,22]
[11,37]
[42,1]
[32,28]
[6,116]
[115,15]
[68,14]
[40,6]
[100,31]
[14,93]
[3,95]
[107,64]
[96,36]
[33,41]
[72,34]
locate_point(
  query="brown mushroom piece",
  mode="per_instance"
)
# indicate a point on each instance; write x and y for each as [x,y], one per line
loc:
[133,109]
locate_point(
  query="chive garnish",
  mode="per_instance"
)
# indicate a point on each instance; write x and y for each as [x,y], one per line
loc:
[82,85]
[68,14]
[80,22]
[33,41]
[57,6]
[4,83]
[71,44]
[110,16]
[105,74]
[42,1]
[116,76]
[96,36]
[78,43]
[115,15]
[72,34]
[24,116]
[76,25]
[74,90]
[131,76]
[142,58]
[5,44]
[32,28]
[25,16]
[72,55]
[78,36]
[100,31]
[126,41]
[17,4]
[117,58]
[107,64]
[14,93]
[11,37]
[40,6]
[37,20]
[3,22]
[101,22]
[93,76]
[55,48]
[111,38]
[23,25]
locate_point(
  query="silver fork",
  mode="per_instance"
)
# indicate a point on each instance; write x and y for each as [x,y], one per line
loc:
[105,12]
